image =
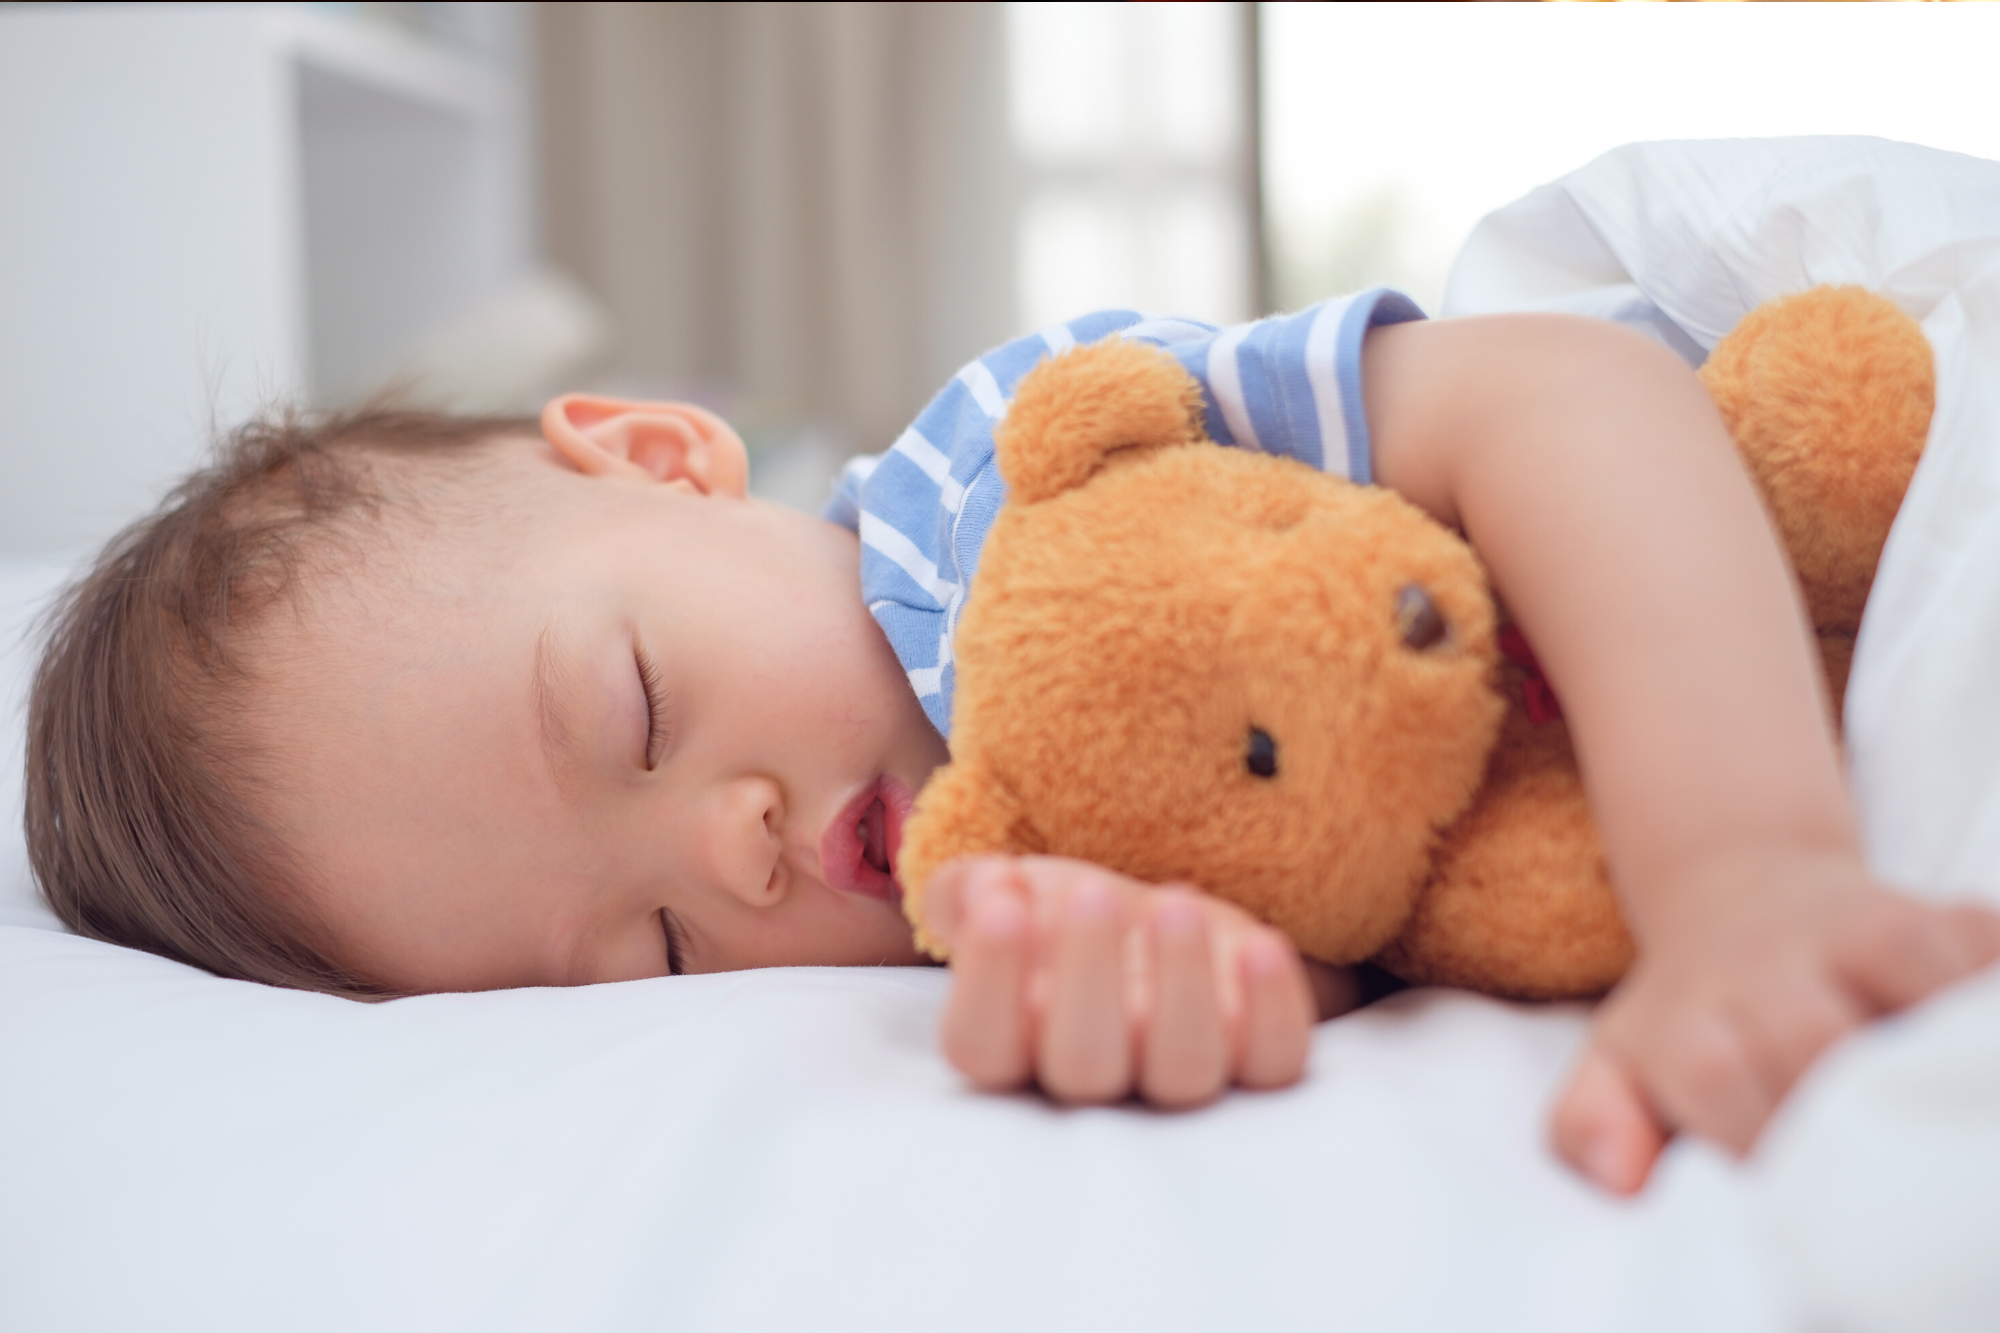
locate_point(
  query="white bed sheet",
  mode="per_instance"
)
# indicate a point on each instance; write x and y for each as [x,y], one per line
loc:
[785,1149]
[776,1150]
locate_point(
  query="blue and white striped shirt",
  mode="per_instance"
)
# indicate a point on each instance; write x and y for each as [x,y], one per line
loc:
[1290,384]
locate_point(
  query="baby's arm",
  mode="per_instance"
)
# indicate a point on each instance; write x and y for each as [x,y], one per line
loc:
[1593,474]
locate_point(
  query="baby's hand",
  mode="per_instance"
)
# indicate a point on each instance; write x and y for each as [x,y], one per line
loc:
[1095,986]
[1751,970]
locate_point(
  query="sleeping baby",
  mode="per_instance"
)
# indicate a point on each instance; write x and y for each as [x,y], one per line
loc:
[388,703]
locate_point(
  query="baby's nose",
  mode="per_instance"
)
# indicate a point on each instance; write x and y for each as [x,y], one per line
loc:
[745,839]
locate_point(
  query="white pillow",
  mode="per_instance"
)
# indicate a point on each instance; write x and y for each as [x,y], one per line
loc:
[25,589]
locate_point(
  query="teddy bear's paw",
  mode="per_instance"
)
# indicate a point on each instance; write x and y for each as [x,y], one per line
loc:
[962,811]
[1520,904]
[1075,411]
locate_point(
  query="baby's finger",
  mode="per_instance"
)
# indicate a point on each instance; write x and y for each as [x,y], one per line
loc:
[1085,1049]
[1902,952]
[1978,929]
[1604,1127]
[945,897]
[1793,1027]
[1277,1013]
[1709,1083]
[986,1026]
[1186,1055]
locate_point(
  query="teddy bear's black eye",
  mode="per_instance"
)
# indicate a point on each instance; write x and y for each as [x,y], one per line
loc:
[1417,618]
[1262,756]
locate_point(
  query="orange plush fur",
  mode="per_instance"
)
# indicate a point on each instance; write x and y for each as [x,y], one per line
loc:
[1209,666]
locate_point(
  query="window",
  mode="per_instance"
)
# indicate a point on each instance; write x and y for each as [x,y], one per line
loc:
[1130,125]
[1389,130]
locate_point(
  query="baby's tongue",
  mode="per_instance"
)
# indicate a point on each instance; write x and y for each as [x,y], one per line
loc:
[874,848]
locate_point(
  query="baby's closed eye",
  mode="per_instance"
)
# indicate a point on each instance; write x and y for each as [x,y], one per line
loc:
[651,684]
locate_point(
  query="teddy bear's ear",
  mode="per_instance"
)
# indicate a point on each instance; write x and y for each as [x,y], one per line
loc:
[1075,410]
[962,811]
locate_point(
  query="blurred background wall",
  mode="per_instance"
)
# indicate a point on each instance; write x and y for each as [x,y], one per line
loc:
[804,215]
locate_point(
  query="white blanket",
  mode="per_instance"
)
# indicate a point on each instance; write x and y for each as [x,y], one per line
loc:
[785,1149]
[1880,1189]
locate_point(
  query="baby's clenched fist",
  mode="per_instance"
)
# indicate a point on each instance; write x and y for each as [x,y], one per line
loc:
[1095,987]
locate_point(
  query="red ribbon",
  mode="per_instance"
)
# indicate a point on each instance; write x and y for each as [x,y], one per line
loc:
[1536,692]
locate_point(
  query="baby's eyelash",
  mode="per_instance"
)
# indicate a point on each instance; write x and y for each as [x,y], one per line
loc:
[676,944]
[649,681]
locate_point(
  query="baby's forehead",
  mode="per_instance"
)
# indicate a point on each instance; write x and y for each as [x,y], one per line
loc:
[422,536]
[429,515]
[460,565]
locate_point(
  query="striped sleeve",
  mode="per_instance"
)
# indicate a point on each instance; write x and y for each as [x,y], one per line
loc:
[1291,384]
[1287,385]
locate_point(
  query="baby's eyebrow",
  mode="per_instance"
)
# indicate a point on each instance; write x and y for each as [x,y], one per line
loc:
[555,680]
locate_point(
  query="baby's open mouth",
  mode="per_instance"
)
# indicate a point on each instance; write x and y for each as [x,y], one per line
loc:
[858,851]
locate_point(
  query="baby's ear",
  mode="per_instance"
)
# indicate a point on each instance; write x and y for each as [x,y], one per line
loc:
[1075,410]
[675,443]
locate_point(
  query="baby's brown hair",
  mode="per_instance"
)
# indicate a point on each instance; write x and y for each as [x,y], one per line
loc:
[137,826]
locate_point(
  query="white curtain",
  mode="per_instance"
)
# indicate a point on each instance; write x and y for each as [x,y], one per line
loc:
[804,208]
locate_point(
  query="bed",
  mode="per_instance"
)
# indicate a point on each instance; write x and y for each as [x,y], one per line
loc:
[785,1149]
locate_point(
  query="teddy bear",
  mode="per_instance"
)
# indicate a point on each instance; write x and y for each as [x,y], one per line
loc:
[1205,665]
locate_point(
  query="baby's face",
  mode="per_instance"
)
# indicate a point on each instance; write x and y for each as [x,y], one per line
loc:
[652,721]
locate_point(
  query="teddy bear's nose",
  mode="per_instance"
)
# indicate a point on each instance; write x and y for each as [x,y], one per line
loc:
[1417,618]
[1261,758]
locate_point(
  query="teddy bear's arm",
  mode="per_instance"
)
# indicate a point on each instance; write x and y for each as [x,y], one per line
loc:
[965,810]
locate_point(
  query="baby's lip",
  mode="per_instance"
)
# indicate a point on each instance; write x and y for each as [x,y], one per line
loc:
[857,853]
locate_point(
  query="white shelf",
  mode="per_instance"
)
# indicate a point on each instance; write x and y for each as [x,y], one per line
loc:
[391,62]
[209,207]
